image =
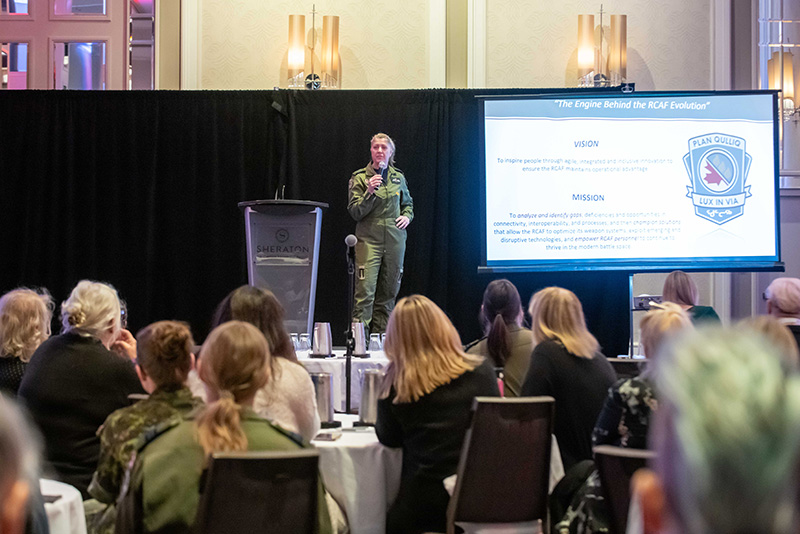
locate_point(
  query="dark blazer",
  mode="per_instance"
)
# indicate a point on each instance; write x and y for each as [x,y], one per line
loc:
[579,386]
[71,385]
[431,431]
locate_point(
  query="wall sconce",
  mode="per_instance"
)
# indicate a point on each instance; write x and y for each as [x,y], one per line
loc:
[780,73]
[602,62]
[329,76]
[297,51]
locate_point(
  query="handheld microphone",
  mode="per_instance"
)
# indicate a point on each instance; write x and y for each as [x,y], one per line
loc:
[382,166]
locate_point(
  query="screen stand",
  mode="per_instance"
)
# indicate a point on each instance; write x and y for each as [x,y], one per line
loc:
[630,314]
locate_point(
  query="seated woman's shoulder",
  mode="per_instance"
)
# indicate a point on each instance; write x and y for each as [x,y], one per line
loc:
[476,347]
[265,435]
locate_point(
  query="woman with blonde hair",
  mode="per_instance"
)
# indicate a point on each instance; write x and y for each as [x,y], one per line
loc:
[567,365]
[681,289]
[74,381]
[288,398]
[776,334]
[24,324]
[234,364]
[625,417]
[425,409]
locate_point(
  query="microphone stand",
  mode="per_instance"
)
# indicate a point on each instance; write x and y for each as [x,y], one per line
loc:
[351,340]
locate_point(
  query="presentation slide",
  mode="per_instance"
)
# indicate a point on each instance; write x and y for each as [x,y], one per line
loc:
[631,179]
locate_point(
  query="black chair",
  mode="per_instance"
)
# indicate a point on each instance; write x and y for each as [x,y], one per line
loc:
[504,469]
[264,492]
[616,466]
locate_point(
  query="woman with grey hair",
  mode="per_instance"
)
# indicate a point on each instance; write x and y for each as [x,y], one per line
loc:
[19,458]
[74,381]
[727,437]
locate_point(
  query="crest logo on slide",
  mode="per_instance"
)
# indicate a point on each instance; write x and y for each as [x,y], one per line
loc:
[718,165]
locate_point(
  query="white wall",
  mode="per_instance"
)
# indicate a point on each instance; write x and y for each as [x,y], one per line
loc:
[389,43]
[383,43]
[534,44]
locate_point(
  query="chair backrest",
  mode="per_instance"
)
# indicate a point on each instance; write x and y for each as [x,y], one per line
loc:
[616,466]
[265,492]
[504,469]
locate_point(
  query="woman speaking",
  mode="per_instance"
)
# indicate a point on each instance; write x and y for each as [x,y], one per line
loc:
[380,203]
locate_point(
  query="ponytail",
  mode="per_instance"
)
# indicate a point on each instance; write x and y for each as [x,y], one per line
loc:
[501,302]
[234,366]
[219,427]
[498,342]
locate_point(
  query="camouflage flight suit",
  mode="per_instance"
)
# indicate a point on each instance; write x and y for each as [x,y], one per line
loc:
[126,431]
[381,245]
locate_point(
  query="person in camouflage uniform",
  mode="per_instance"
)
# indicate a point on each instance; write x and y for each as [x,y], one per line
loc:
[164,359]
[380,203]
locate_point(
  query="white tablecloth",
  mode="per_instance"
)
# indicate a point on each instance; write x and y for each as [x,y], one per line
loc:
[336,367]
[364,476]
[65,516]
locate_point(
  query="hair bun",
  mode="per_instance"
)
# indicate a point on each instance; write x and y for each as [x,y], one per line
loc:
[76,316]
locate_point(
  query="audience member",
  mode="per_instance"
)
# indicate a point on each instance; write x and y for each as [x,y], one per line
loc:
[681,289]
[288,399]
[163,361]
[727,438]
[506,342]
[783,302]
[425,409]
[567,365]
[166,480]
[74,381]
[776,333]
[24,324]
[625,417]
[19,468]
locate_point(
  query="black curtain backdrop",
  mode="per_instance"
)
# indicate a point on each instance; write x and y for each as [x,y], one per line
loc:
[140,189]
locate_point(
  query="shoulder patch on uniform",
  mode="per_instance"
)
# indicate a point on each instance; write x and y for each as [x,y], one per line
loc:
[352,179]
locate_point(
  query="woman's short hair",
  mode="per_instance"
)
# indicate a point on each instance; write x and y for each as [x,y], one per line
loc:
[727,433]
[680,289]
[261,308]
[92,309]
[424,349]
[501,307]
[778,335]
[784,294]
[556,313]
[234,365]
[164,352]
[25,317]
[660,324]
[388,140]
